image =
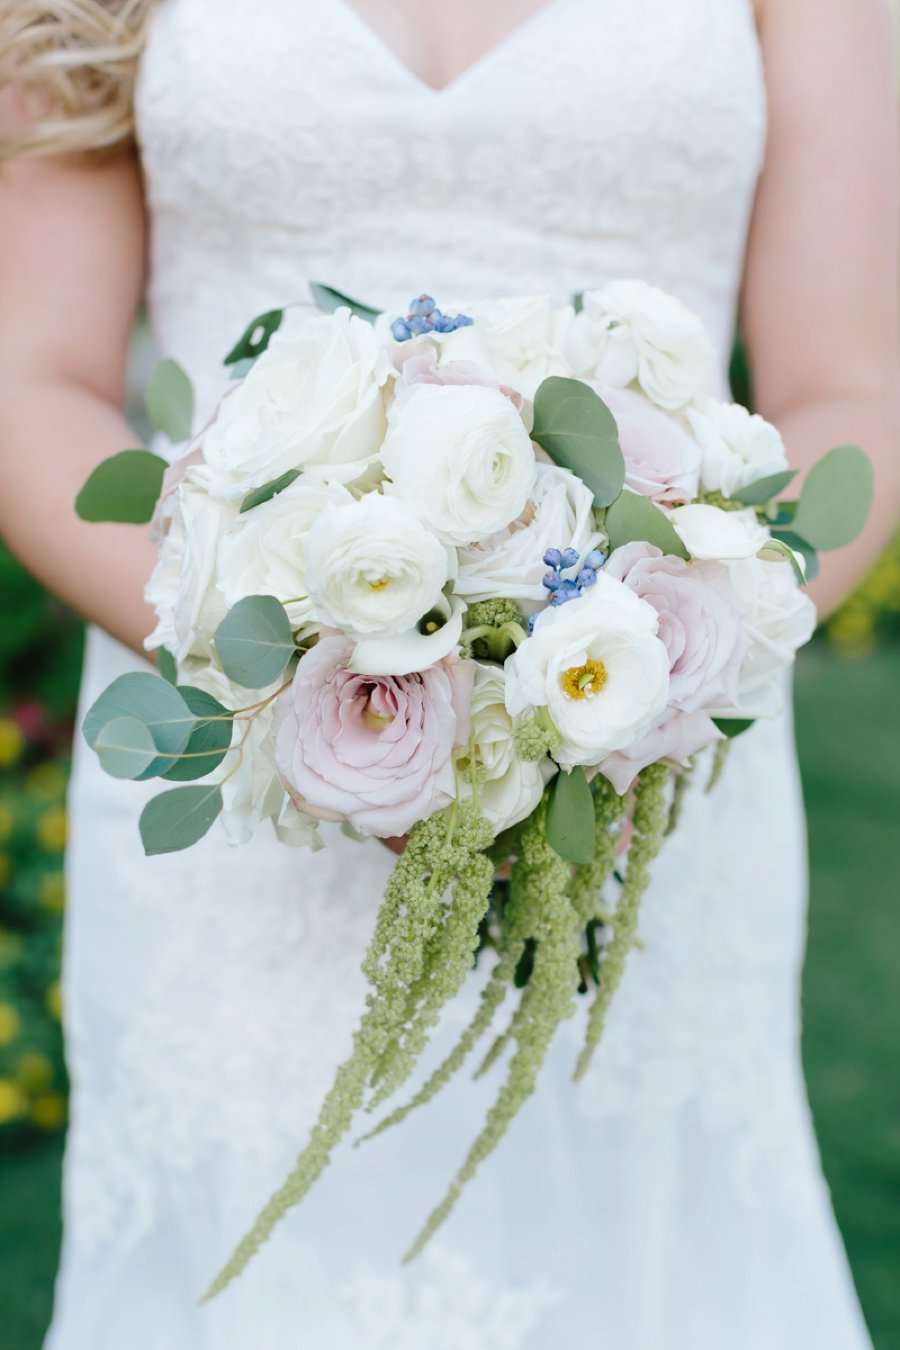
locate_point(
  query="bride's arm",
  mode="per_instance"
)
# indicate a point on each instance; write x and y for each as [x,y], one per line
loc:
[71,276]
[822,293]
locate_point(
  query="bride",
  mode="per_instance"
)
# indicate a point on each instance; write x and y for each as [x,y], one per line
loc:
[674,1201]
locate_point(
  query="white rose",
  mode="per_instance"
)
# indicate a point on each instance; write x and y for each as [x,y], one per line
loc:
[251,789]
[182,587]
[559,514]
[373,567]
[738,447]
[313,400]
[264,551]
[631,331]
[460,456]
[709,533]
[598,667]
[779,618]
[510,788]
[522,341]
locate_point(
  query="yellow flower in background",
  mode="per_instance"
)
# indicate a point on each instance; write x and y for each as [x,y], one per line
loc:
[12,742]
[51,829]
[54,1001]
[12,1101]
[6,870]
[52,892]
[10,1023]
[49,1111]
[7,821]
[34,1072]
[47,781]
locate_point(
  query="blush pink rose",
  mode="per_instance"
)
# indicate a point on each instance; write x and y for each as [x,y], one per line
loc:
[662,460]
[423,367]
[698,622]
[674,737]
[372,750]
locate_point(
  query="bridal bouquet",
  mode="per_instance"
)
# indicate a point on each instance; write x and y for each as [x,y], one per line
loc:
[497,580]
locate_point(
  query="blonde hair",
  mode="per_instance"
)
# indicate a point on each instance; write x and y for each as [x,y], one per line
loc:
[67,72]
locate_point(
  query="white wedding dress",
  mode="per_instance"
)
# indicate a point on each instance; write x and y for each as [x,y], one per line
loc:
[674,1200]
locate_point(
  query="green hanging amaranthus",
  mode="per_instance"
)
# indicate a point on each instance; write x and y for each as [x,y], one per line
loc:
[448,850]
[649,820]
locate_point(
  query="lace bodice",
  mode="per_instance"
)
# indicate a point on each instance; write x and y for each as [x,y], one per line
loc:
[284,141]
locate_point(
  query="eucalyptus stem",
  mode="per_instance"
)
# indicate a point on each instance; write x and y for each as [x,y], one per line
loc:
[649,820]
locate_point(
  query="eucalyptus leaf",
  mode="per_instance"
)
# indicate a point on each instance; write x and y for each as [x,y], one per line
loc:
[151,700]
[125,748]
[579,433]
[635,518]
[254,641]
[210,740]
[571,825]
[255,338]
[779,550]
[328,300]
[764,489]
[809,554]
[733,726]
[269,490]
[178,818]
[124,488]
[836,498]
[165,664]
[170,400]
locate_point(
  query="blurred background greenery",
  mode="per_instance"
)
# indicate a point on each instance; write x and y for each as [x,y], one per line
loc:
[849,738]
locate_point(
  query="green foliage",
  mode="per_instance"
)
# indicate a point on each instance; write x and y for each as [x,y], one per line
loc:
[328,300]
[570,816]
[125,747]
[124,488]
[255,338]
[578,432]
[836,498]
[269,490]
[765,489]
[179,818]
[151,700]
[254,641]
[633,517]
[210,738]
[169,399]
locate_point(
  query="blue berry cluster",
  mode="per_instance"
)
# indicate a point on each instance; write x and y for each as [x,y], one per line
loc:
[425,317]
[562,589]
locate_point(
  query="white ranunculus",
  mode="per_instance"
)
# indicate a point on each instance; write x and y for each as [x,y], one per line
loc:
[779,618]
[373,567]
[460,456]
[598,667]
[511,787]
[709,533]
[314,400]
[559,514]
[264,551]
[630,331]
[738,447]
[522,341]
[182,587]
[251,789]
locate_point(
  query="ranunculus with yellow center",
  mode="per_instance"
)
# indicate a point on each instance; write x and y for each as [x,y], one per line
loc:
[598,667]
[373,567]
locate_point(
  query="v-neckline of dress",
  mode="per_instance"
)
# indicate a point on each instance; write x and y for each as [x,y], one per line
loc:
[508,42]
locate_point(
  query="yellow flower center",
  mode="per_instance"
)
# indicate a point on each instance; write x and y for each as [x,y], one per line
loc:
[381,585]
[584,681]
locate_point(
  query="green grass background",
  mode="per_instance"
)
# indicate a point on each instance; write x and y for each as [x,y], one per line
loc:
[849,737]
